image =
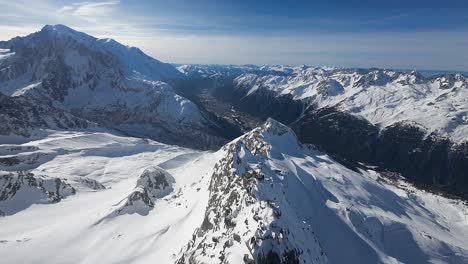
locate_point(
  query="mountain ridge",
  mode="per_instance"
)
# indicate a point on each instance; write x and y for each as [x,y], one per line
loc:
[399,121]
[106,83]
[271,198]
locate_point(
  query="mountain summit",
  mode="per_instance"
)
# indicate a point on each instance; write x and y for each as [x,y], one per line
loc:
[133,61]
[275,200]
[105,82]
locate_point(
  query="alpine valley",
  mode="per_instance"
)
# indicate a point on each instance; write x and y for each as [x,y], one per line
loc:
[110,156]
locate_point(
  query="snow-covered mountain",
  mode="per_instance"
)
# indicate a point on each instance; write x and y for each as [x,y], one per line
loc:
[263,198]
[274,200]
[382,97]
[400,121]
[105,82]
[195,71]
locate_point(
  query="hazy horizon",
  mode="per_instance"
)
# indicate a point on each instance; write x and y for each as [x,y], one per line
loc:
[418,35]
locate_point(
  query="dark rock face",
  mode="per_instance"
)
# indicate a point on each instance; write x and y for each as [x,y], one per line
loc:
[92,184]
[431,160]
[338,133]
[139,195]
[32,189]
[19,114]
[261,103]
[402,147]
[152,184]
[215,98]
[9,161]
[291,257]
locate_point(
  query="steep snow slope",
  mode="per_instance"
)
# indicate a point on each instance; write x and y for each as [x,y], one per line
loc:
[135,63]
[273,200]
[105,82]
[383,97]
[263,197]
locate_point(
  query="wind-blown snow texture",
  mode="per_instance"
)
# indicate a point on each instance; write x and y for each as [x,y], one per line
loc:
[263,197]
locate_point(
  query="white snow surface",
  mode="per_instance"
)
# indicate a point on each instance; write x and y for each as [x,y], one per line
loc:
[355,217]
[5,53]
[136,63]
[76,229]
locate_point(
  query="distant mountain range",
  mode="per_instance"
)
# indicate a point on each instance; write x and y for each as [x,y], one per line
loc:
[401,121]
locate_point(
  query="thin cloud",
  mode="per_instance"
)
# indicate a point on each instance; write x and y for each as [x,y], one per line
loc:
[91,11]
[233,39]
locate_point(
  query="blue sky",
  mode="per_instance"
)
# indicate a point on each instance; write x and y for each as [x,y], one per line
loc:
[411,34]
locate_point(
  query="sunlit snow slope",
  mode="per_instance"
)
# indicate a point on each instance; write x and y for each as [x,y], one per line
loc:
[96,223]
[264,197]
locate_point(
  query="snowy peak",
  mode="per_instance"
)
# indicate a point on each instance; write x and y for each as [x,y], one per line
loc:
[252,202]
[329,87]
[260,141]
[105,82]
[411,78]
[275,201]
[451,81]
[249,218]
[275,133]
[273,127]
[153,183]
[61,31]
[132,61]
[270,131]
[383,97]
